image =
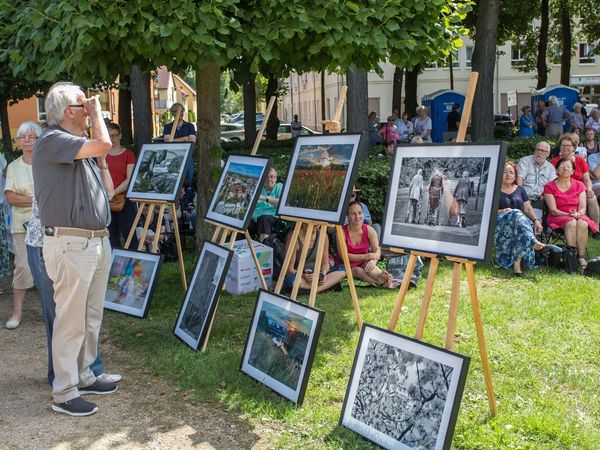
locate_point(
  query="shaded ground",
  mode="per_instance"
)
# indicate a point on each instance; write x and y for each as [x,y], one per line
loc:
[145,413]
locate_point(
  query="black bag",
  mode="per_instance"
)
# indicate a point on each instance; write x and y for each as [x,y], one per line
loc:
[565,260]
[593,267]
[169,249]
[278,247]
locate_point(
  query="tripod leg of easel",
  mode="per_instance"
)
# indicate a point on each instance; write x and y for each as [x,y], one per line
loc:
[161,213]
[232,239]
[412,259]
[256,262]
[223,237]
[433,267]
[342,245]
[314,286]
[485,363]
[178,244]
[303,255]
[288,258]
[215,235]
[212,319]
[453,311]
[146,226]
[138,215]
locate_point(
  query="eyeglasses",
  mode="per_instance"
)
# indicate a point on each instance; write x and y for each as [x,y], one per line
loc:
[566,146]
[76,106]
[542,150]
[508,172]
[27,138]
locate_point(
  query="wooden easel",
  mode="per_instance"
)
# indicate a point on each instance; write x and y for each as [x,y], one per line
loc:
[456,280]
[224,234]
[322,232]
[151,204]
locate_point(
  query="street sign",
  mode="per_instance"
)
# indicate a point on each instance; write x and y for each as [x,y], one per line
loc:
[511,97]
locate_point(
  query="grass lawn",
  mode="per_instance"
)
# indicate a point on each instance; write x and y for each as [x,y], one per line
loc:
[542,333]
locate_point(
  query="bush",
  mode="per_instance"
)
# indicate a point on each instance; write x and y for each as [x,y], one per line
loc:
[372,180]
[521,146]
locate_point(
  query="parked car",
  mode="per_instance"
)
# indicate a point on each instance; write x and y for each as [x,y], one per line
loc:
[285,131]
[239,118]
[504,126]
[590,107]
[232,131]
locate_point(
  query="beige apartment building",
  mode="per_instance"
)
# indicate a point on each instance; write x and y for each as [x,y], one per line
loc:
[304,96]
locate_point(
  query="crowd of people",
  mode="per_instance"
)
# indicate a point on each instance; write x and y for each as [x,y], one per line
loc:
[67,202]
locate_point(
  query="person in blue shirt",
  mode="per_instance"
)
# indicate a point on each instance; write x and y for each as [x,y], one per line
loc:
[526,122]
[185,132]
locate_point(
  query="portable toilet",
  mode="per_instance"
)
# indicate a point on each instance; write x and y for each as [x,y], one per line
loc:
[439,104]
[567,96]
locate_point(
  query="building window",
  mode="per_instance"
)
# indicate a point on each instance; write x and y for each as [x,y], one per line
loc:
[431,66]
[555,54]
[516,59]
[469,49]
[41,109]
[586,53]
[455,60]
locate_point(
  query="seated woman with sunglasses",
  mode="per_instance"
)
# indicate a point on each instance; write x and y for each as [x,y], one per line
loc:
[516,226]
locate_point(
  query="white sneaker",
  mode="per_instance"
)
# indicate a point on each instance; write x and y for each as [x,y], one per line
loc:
[109,377]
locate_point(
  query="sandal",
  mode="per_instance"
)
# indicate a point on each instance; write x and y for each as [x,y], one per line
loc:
[581,258]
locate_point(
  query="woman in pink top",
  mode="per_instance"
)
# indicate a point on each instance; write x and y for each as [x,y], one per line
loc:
[363,248]
[566,201]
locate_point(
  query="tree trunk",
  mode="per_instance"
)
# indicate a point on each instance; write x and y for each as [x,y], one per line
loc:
[323,100]
[357,112]
[125,111]
[249,91]
[565,42]
[207,150]
[410,90]
[397,89]
[142,111]
[542,65]
[6,138]
[484,62]
[273,120]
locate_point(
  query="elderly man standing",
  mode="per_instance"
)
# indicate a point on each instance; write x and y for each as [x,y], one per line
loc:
[71,191]
[554,117]
[534,172]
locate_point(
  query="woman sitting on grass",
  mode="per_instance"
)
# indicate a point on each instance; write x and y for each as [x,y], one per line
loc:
[363,249]
[312,268]
[516,225]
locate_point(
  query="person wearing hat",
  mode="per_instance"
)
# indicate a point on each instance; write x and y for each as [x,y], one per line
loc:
[453,118]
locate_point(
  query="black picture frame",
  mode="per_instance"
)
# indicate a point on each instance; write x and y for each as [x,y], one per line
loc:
[201,298]
[256,167]
[159,171]
[424,387]
[306,188]
[281,342]
[432,223]
[131,281]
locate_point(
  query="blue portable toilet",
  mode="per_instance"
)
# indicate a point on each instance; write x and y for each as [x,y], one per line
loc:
[567,96]
[439,104]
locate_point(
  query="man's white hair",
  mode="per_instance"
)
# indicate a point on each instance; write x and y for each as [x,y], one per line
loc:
[60,96]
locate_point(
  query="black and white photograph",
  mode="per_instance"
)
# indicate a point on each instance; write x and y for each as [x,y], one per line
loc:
[403,393]
[281,344]
[320,176]
[131,281]
[202,296]
[441,199]
[159,171]
[237,191]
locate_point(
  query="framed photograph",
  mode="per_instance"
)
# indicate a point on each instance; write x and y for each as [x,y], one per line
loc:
[403,393]
[131,281]
[159,171]
[237,191]
[443,198]
[319,180]
[202,296]
[281,344]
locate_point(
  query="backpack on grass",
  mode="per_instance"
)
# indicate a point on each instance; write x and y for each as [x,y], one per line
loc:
[593,267]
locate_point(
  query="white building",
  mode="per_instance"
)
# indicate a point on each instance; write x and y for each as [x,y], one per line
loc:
[304,96]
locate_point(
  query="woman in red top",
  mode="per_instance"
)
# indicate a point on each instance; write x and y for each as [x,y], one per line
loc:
[566,201]
[363,248]
[121,163]
[567,144]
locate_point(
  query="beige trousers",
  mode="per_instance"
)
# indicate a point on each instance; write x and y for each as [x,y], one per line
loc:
[79,269]
[22,278]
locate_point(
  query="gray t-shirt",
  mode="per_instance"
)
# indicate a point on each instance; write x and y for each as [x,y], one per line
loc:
[535,177]
[69,191]
[556,114]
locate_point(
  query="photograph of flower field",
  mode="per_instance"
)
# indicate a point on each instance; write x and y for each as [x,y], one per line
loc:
[319,175]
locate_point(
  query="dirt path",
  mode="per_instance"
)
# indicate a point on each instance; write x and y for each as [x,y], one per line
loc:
[145,413]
